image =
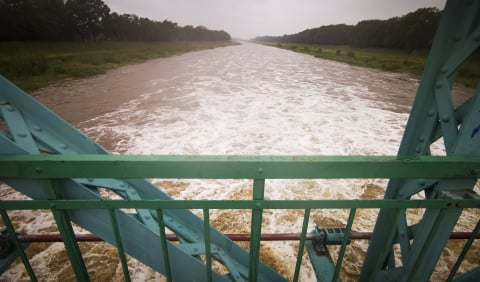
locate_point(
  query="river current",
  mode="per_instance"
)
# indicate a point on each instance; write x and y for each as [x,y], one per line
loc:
[239,100]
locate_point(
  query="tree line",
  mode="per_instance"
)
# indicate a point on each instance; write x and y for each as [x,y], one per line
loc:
[89,20]
[414,30]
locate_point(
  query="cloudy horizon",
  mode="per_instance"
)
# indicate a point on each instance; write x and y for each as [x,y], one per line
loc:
[250,18]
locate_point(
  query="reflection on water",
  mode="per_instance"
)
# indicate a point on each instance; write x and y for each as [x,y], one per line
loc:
[247,99]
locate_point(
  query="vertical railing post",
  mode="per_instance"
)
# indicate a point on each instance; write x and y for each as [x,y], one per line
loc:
[118,240]
[66,232]
[208,251]
[465,249]
[345,240]
[18,246]
[256,229]
[163,236]
[301,247]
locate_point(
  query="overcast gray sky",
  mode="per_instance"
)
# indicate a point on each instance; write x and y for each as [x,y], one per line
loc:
[249,18]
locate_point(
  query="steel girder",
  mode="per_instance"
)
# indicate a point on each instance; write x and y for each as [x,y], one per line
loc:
[31,128]
[433,116]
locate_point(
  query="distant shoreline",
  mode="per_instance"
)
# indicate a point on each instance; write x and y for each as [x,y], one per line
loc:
[33,65]
[402,61]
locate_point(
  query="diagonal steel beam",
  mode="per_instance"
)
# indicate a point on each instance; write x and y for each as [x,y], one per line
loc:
[432,116]
[54,135]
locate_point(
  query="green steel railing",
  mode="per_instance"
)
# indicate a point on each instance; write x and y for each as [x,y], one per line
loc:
[237,167]
[66,181]
[53,168]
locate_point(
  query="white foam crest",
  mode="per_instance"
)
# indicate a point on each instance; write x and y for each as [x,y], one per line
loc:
[255,100]
[310,107]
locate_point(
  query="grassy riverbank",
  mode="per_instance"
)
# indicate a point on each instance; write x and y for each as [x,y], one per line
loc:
[411,62]
[32,65]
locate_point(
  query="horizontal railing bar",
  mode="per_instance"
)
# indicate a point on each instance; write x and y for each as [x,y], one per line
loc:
[354,235]
[236,204]
[237,167]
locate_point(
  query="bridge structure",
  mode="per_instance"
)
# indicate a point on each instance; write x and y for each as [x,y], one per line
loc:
[62,170]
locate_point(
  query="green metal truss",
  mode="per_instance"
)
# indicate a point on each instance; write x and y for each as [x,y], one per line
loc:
[32,130]
[61,169]
[433,116]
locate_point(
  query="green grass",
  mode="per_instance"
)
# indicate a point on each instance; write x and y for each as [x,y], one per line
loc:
[32,65]
[411,62]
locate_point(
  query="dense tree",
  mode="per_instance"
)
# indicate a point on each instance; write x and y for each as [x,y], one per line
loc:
[131,27]
[16,19]
[412,31]
[419,27]
[86,20]
[50,20]
[331,34]
[87,17]
[369,33]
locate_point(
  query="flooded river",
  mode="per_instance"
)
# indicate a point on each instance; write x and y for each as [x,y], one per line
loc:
[245,99]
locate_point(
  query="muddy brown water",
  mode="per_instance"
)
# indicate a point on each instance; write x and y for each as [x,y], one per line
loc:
[245,99]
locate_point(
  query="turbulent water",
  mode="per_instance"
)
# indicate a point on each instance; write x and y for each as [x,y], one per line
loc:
[245,99]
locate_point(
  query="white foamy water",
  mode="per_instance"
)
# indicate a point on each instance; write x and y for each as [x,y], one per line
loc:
[257,100]
[252,99]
